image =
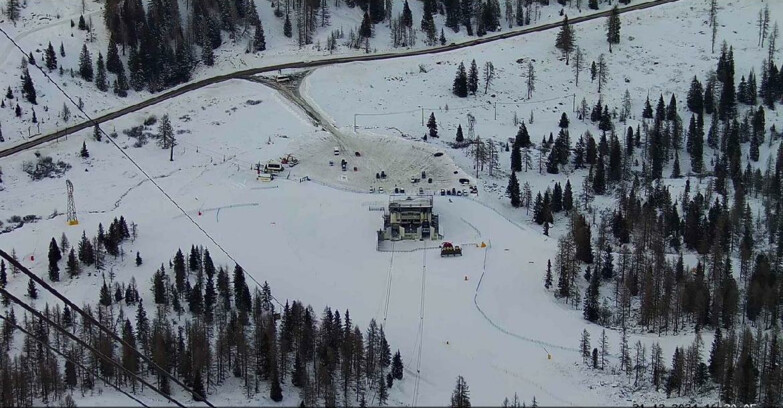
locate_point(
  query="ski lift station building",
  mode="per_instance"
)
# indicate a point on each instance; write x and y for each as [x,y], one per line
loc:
[409,217]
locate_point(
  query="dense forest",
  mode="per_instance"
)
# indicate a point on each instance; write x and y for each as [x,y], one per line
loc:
[205,326]
[626,267]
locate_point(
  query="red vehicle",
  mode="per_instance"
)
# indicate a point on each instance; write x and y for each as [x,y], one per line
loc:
[448,249]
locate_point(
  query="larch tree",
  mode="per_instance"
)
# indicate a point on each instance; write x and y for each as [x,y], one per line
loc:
[603,72]
[530,79]
[579,64]
[460,397]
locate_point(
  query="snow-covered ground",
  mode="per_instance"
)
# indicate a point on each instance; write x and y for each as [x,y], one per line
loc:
[44,21]
[323,252]
[398,93]
[484,315]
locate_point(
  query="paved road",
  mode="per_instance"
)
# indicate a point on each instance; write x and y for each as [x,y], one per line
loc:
[309,64]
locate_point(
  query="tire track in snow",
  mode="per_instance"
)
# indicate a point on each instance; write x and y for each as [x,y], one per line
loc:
[420,334]
[503,330]
[313,64]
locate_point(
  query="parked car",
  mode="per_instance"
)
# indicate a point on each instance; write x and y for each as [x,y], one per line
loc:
[372,189]
[459,193]
[421,191]
[443,192]
[380,190]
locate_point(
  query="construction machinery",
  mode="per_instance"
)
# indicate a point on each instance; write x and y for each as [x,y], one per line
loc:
[448,249]
[289,160]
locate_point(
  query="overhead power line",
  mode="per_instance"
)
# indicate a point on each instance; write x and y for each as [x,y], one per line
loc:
[127,156]
[67,358]
[89,317]
[82,343]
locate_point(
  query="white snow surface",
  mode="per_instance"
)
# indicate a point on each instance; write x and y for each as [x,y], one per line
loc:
[484,315]
[44,21]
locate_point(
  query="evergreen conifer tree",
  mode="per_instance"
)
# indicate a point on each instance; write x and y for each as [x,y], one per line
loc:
[72,266]
[613,27]
[512,191]
[599,177]
[563,121]
[591,309]
[516,158]
[105,296]
[548,276]
[259,41]
[113,62]
[407,16]
[100,76]
[565,39]
[198,387]
[85,64]
[568,197]
[32,291]
[432,125]
[54,257]
[365,30]
[695,99]
[28,90]
[396,366]
[50,58]
[523,137]
[460,86]
[647,113]
[460,397]
[275,393]
[287,31]
[473,78]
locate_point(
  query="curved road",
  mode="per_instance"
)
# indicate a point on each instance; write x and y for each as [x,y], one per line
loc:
[309,64]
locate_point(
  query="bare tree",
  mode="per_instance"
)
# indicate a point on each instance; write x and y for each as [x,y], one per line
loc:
[489,75]
[604,348]
[603,72]
[713,19]
[493,161]
[579,64]
[531,79]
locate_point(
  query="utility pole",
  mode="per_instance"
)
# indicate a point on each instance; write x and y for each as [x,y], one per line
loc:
[477,142]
